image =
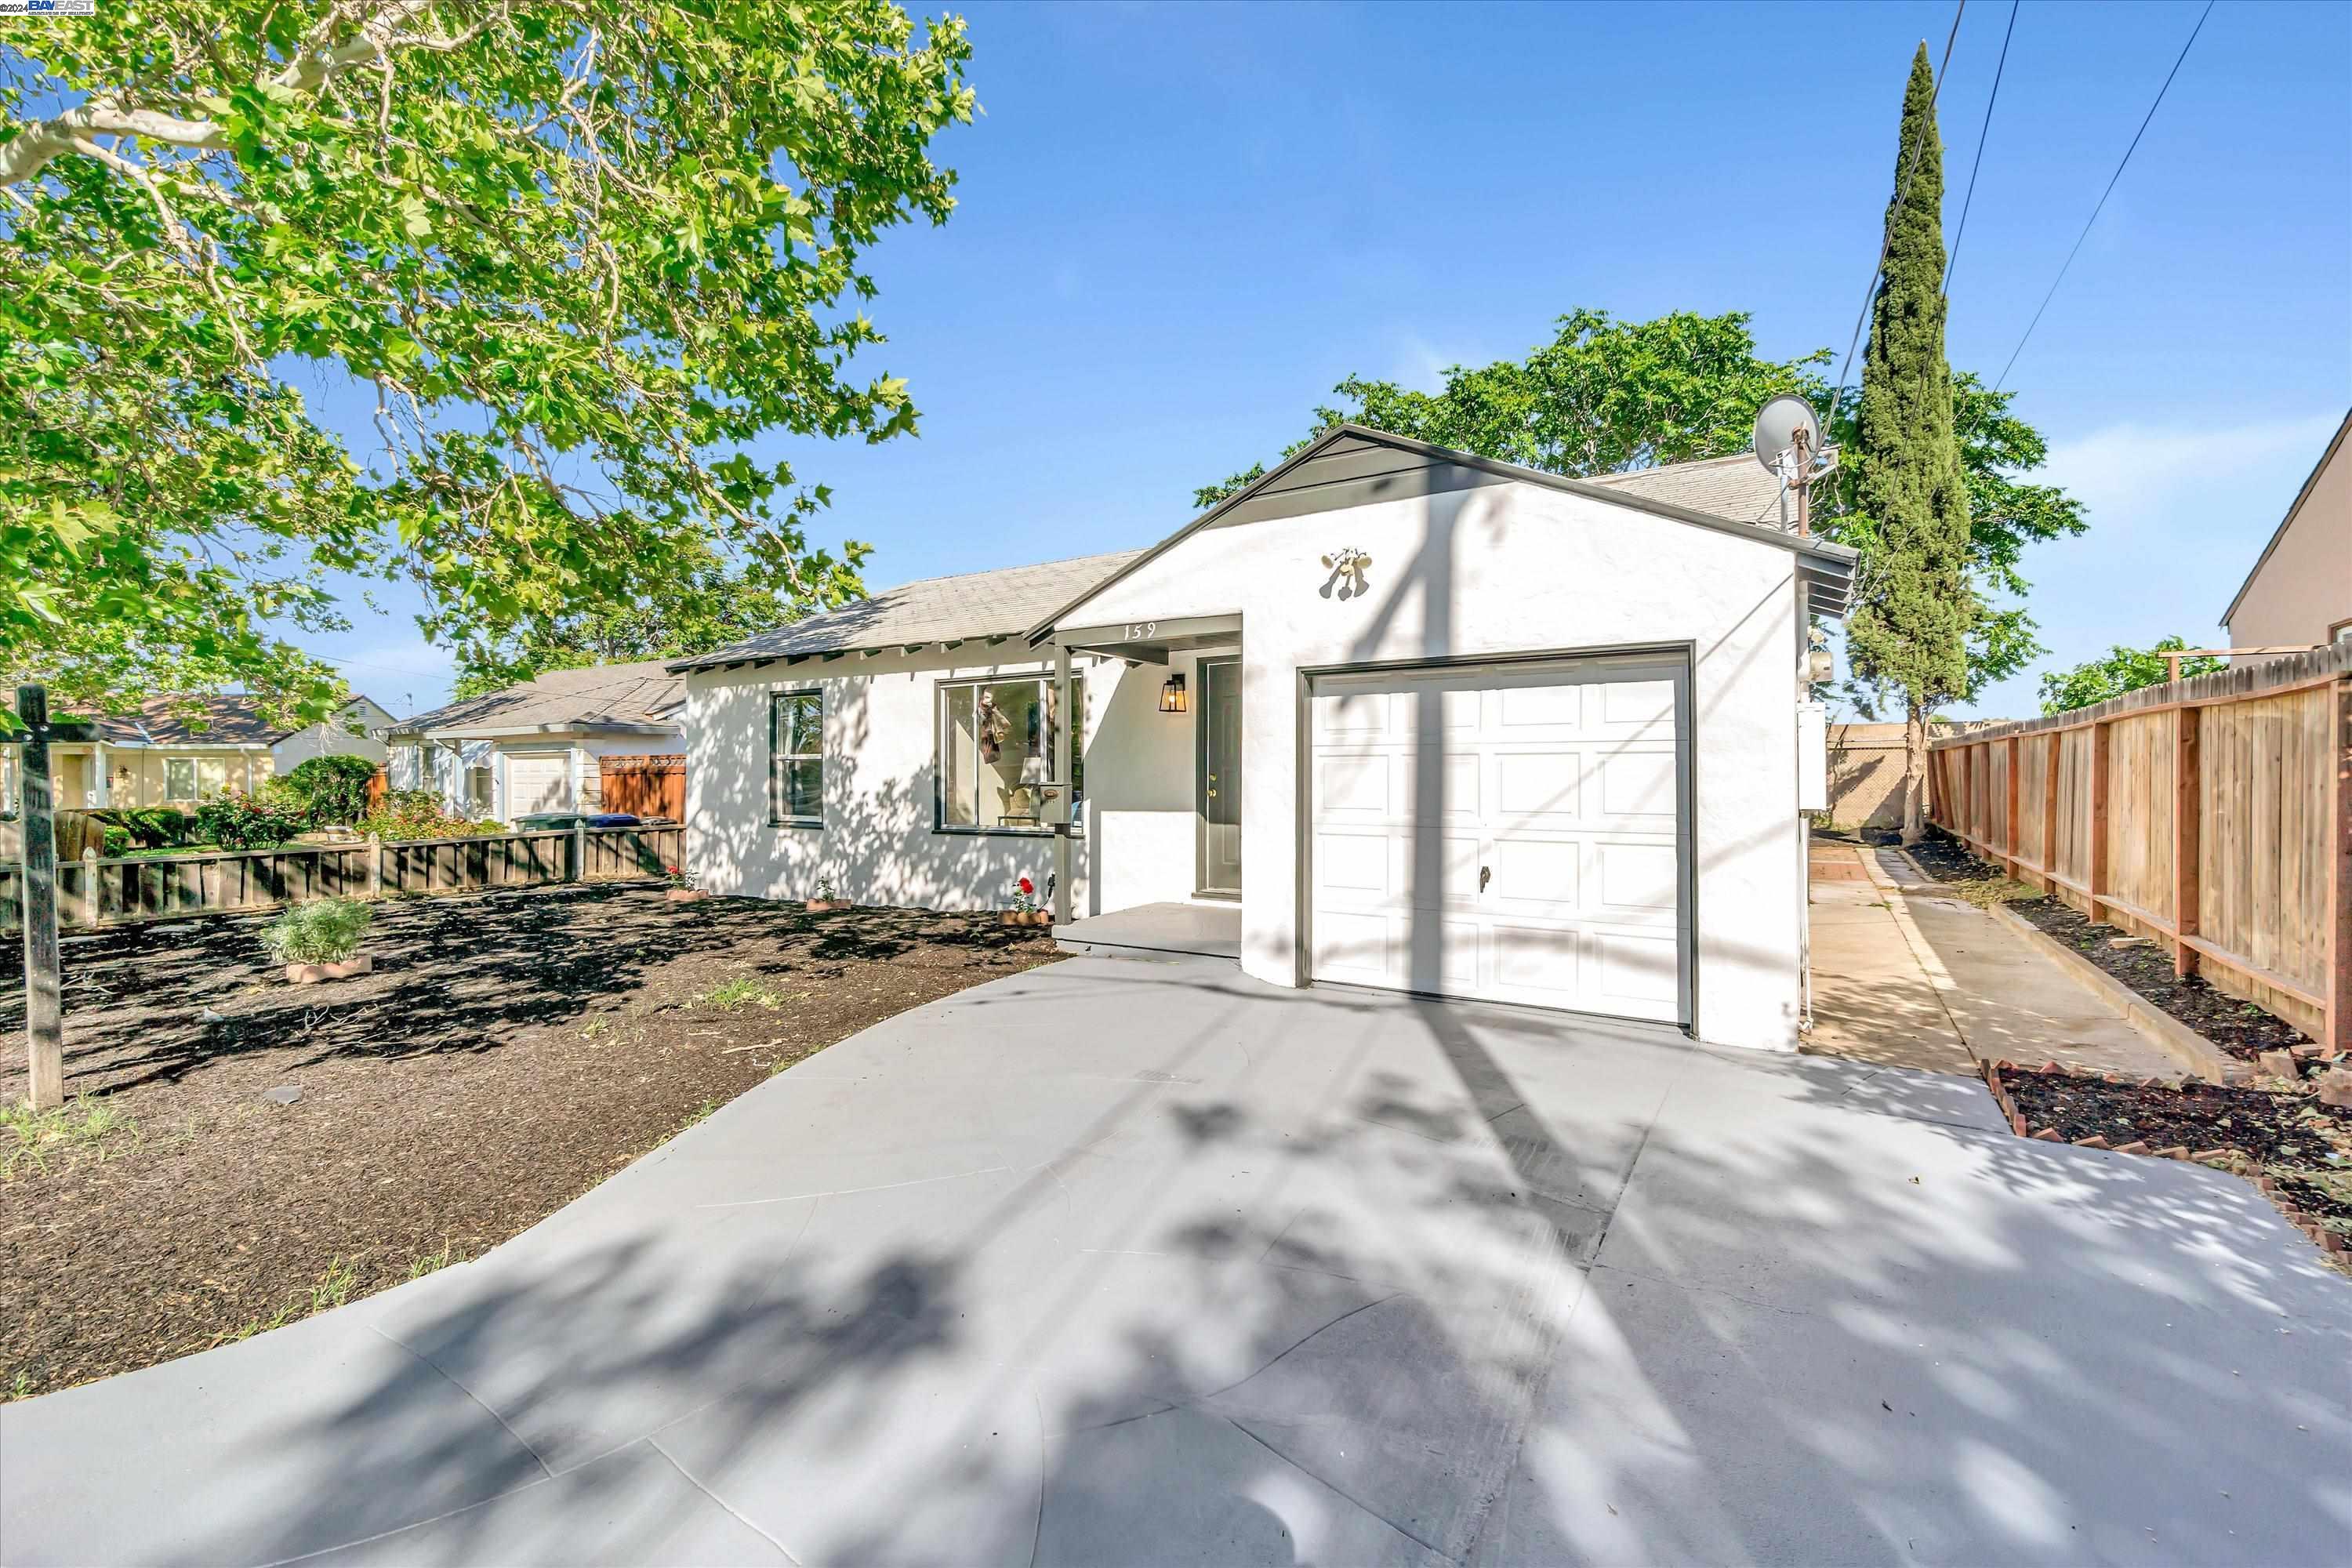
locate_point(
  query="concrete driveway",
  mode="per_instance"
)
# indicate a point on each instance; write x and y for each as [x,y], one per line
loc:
[1127,1261]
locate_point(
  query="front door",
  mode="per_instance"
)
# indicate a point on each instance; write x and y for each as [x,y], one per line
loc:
[1220,791]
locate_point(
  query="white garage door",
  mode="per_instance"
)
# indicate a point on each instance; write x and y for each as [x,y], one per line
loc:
[1509,831]
[537,781]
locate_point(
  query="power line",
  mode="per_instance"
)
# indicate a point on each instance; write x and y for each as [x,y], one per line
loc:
[1910,167]
[2104,196]
[1983,131]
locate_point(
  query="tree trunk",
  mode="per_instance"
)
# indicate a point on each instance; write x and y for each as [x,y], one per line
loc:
[1914,772]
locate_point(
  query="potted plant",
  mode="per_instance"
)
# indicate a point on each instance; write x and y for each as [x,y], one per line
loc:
[320,940]
[1025,911]
[823,901]
[682,886]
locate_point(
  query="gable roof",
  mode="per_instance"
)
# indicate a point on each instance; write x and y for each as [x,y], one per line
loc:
[222,720]
[1738,488]
[999,604]
[1352,465]
[621,698]
[2309,483]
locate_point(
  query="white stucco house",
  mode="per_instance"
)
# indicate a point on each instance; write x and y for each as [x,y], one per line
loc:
[535,746]
[1392,716]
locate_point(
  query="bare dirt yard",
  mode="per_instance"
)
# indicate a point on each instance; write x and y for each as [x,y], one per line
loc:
[510,1051]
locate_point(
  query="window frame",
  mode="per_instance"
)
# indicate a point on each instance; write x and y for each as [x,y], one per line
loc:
[776,758]
[195,783]
[1044,679]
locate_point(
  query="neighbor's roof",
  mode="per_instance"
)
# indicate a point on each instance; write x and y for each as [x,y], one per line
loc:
[624,697]
[230,720]
[1711,493]
[2334,443]
[998,603]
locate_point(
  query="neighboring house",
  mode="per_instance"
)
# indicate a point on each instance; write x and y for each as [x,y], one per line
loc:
[2299,594]
[534,747]
[181,752]
[1544,748]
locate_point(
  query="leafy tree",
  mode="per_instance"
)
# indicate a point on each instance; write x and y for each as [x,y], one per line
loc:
[1602,396]
[1914,605]
[701,609]
[328,790]
[2123,669]
[582,254]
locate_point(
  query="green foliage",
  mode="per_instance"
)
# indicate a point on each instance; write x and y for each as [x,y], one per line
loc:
[236,821]
[2123,669]
[325,931]
[1914,605]
[693,612]
[34,1138]
[409,814]
[241,821]
[1602,396]
[588,256]
[330,790]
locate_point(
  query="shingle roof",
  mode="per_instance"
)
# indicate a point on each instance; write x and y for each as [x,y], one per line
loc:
[1002,603]
[1738,488]
[174,720]
[601,694]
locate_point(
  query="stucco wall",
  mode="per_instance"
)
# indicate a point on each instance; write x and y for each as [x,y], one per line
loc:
[879,843]
[2306,585]
[1505,569]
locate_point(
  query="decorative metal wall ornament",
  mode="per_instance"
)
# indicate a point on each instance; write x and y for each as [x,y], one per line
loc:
[1348,567]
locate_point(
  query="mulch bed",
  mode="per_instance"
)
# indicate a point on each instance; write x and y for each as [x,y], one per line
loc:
[2239,1027]
[2299,1149]
[510,1051]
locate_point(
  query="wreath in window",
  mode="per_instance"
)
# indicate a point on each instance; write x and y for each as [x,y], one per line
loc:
[996,729]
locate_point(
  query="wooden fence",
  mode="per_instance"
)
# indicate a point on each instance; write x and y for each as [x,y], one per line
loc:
[93,891]
[644,785]
[2213,813]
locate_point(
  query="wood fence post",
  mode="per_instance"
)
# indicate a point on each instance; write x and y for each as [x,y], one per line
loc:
[376,865]
[2097,878]
[89,886]
[2010,837]
[2338,976]
[2053,746]
[577,865]
[2187,840]
[45,1025]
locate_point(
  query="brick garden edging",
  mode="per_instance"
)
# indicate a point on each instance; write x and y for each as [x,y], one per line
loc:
[2230,1160]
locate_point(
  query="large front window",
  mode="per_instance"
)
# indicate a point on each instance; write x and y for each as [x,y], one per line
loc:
[996,755]
[796,759]
[194,778]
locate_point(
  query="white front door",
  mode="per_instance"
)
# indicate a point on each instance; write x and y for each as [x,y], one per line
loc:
[1514,832]
[537,781]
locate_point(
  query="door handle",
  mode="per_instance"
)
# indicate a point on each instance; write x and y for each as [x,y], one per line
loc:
[1486,875]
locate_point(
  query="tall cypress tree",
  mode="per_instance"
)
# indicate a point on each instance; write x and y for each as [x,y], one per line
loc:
[1909,627]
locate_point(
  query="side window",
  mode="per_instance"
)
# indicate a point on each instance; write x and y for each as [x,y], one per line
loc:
[180,778]
[796,758]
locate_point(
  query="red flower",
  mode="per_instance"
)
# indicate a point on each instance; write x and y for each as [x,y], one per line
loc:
[1027,885]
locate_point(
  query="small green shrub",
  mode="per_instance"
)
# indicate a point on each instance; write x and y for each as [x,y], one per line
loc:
[408,814]
[325,931]
[246,822]
[329,790]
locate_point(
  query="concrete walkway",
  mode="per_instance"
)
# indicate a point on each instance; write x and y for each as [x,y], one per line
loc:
[1906,974]
[1127,1261]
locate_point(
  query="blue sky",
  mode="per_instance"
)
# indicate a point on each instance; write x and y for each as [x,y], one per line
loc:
[1181,224]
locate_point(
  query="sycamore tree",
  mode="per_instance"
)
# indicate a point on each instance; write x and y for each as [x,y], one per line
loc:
[575,258]
[2122,669]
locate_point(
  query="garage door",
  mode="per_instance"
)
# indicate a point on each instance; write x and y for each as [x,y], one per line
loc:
[537,781]
[1514,832]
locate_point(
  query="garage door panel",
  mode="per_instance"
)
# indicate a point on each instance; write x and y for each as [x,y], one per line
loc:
[1638,783]
[537,783]
[1644,878]
[1561,783]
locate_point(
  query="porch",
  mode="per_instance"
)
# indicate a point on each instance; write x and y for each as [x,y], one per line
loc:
[1205,929]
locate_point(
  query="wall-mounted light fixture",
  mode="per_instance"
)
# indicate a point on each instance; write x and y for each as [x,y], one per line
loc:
[1171,695]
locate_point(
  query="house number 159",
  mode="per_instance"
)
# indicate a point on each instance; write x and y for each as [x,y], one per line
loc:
[1136,632]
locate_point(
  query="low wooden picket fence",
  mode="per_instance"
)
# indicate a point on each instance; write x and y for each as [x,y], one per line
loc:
[93,891]
[2213,813]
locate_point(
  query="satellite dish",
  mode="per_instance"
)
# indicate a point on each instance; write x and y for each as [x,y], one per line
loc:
[1777,424]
